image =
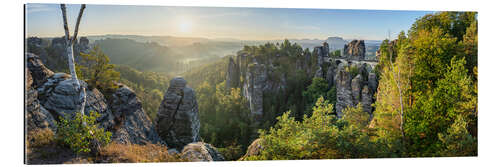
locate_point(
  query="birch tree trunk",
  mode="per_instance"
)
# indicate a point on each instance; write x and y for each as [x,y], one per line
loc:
[71,59]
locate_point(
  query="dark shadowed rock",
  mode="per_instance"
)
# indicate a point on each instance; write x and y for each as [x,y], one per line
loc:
[200,151]
[372,82]
[355,50]
[59,97]
[177,119]
[37,117]
[356,86]
[366,101]
[37,69]
[132,123]
[233,74]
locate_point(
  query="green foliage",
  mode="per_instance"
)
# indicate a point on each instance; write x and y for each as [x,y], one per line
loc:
[225,119]
[79,137]
[318,88]
[97,72]
[429,72]
[148,86]
[319,136]
[457,141]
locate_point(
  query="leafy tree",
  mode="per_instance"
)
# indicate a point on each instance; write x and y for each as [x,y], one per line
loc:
[97,71]
[457,141]
[318,88]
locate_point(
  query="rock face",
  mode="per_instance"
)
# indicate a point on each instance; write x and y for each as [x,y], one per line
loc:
[58,96]
[344,94]
[200,151]
[321,53]
[39,73]
[36,115]
[253,88]
[357,90]
[355,50]
[253,149]
[133,125]
[233,74]
[177,119]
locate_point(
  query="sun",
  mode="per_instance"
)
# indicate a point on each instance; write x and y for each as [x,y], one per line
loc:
[185,26]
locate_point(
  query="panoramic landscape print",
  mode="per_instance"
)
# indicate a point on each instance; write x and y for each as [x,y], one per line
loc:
[131,84]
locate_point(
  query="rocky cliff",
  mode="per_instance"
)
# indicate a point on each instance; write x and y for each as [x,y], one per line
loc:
[354,80]
[177,118]
[355,50]
[132,124]
[50,96]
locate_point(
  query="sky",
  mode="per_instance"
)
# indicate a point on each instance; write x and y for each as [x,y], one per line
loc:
[45,20]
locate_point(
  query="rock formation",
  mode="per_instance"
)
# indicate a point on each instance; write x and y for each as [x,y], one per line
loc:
[355,50]
[253,88]
[39,73]
[253,149]
[132,124]
[200,151]
[357,90]
[59,97]
[321,53]
[177,119]
[233,74]
[36,115]
[344,94]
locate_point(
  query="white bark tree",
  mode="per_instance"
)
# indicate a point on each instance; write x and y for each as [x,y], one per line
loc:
[70,42]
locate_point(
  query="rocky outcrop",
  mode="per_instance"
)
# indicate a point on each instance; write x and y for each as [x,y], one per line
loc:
[39,73]
[132,124]
[59,97]
[344,91]
[177,118]
[233,74]
[200,151]
[355,50]
[253,88]
[357,90]
[367,99]
[321,53]
[356,86]
[253,149]
[37,117]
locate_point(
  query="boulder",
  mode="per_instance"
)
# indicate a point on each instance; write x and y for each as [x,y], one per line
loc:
[200,151]
[253,149]
[59,97]
[177,118]
[37,69]
[132,124]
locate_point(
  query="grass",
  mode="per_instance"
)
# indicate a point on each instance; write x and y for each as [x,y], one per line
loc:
[133,153]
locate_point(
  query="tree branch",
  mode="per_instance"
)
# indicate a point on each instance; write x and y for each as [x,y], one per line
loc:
[65,21]
[78,23]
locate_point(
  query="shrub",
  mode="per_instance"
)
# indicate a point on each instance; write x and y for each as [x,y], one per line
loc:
[79,137]
[40,137]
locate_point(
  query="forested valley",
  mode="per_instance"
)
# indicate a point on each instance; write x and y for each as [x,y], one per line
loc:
[280,101]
